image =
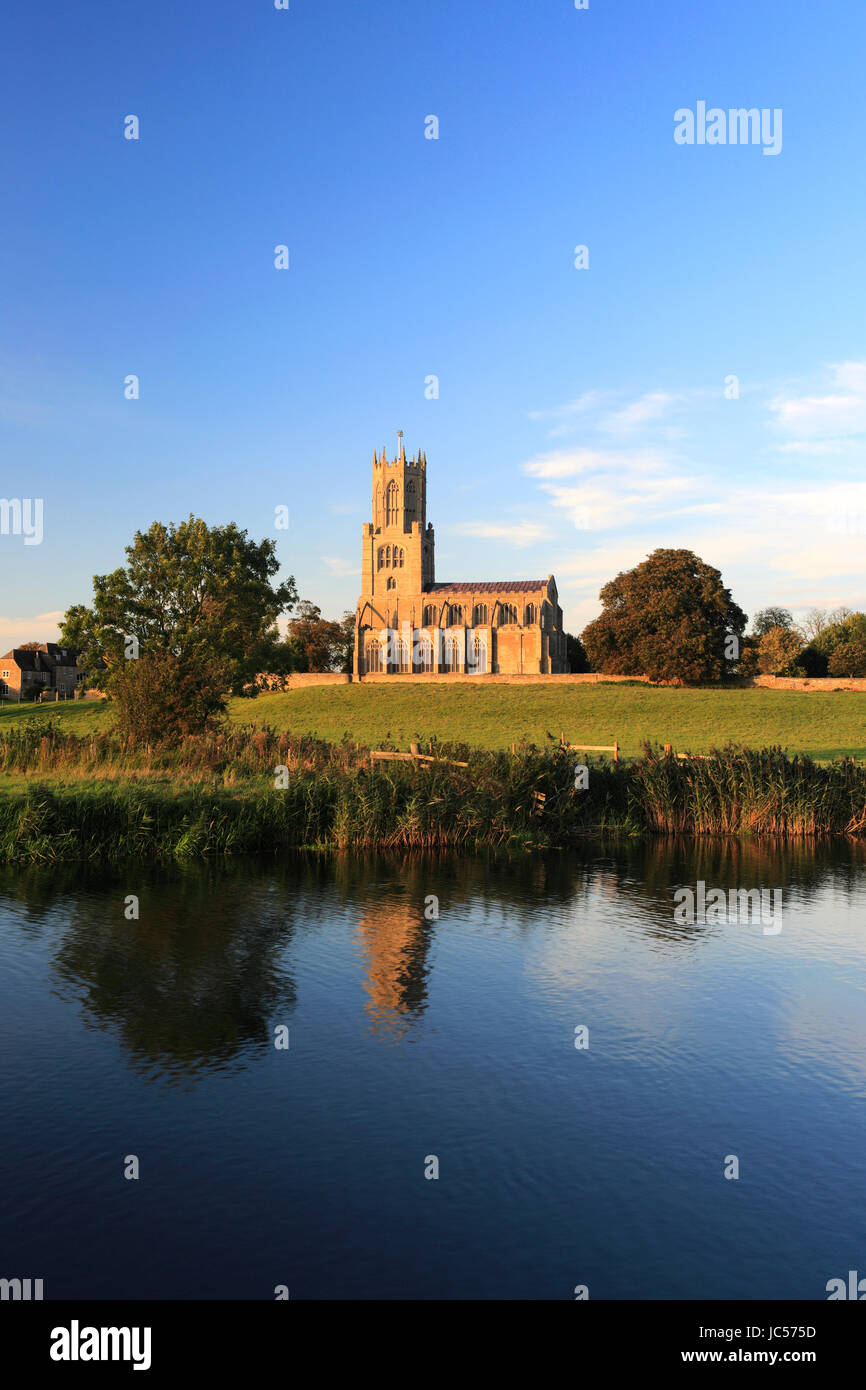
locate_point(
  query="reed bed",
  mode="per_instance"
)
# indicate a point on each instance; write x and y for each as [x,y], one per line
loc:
[95,798]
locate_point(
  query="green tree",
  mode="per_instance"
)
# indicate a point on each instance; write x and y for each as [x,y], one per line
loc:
[575,655]
[848,658]
[321,642]
[669,618]
[778,651]
[768,618]
[196,605]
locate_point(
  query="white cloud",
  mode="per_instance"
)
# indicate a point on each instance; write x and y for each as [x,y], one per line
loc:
[588,401]
[646,409]
[838,413]
[339,567]
[519,533]
[618,488]
[44,627]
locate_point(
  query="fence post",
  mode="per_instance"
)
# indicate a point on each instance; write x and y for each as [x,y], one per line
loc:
[616,750]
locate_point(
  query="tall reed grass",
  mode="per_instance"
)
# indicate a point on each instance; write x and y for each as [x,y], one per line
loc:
[93,797]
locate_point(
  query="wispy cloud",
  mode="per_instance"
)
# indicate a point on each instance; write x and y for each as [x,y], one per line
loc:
[837,414]
[517,533]
[646,409]
[41,627]
[617,489]
[339,567]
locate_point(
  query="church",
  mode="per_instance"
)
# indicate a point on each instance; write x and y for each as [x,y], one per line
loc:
[408,624]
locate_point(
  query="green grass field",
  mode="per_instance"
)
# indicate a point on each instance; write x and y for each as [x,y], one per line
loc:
[825,725]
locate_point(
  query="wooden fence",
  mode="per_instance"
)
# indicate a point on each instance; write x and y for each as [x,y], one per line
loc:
[384,755]
[591,747]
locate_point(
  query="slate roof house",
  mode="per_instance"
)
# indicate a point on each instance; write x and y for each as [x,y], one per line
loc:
[25,673]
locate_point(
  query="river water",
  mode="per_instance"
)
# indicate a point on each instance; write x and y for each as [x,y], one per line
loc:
[429,1008]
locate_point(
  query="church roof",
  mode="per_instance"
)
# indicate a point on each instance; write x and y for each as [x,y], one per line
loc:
[487,586]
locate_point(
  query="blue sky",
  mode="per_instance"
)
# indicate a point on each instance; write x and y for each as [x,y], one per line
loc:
[582,419]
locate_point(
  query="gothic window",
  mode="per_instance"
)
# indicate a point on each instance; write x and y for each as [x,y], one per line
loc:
[531,615]
[404,655]
[381,556]
[391,505]
[479,653]
[455,615]
[452,654]
[507,614]
[479,616]
[374,657]
[429,617]
[400,561]
[425,654]
[388,556]
[392,583]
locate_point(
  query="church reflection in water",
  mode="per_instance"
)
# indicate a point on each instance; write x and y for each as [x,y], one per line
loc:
[394,940]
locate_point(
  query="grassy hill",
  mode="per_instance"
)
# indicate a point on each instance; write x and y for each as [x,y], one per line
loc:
[825,725]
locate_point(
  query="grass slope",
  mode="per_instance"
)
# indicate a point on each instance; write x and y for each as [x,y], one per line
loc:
[824,725]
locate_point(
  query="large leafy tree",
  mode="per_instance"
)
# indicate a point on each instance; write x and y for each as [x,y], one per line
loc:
[768,618]
[841,628]
[670,618]
[778,650]
[192,615]
[320,643]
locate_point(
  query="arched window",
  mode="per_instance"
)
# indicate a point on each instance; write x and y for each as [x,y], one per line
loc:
[425,654]
[400,561]
[374,657]
[455,615]
[531,615]
[381,556]
[392,583]
[479,653]
[391,504]
[387,557]
[507,614]
[429,616]
[479,616]
[404,654]
[452,654]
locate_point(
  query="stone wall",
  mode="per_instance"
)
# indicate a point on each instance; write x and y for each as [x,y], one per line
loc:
[813,683]
[533,678]
[299,679]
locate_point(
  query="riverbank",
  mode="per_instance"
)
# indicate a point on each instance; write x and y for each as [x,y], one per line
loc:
[64,797]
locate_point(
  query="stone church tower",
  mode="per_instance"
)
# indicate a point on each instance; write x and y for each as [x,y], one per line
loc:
[408,624]
[397,556]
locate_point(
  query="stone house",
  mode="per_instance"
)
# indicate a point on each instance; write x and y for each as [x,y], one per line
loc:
[407,623]
[25,673]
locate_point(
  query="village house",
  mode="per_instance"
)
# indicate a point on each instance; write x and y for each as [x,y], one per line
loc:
[407,623]
[27,673]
